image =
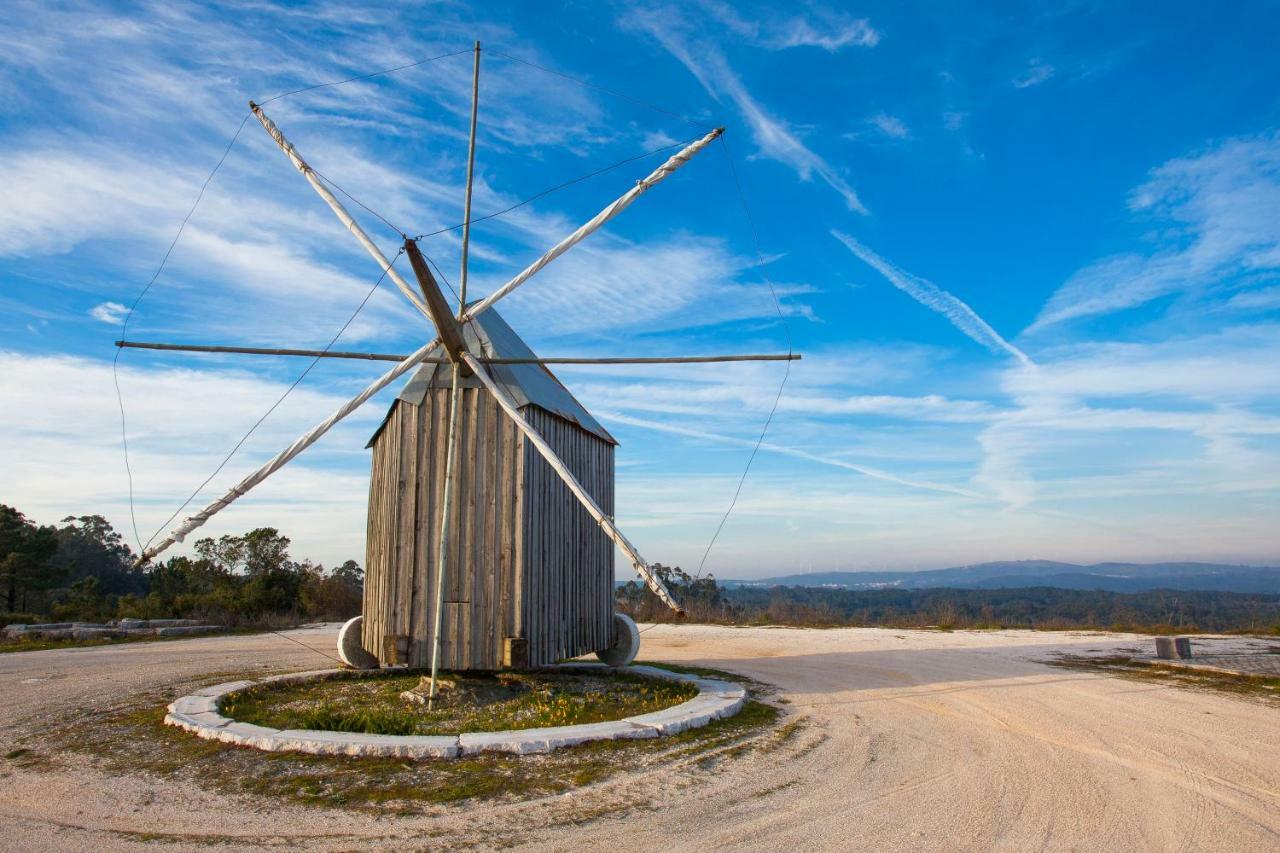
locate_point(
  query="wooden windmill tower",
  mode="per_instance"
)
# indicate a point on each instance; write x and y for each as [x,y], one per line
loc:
[491,533]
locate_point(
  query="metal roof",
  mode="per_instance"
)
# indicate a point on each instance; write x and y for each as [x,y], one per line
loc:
[528,384]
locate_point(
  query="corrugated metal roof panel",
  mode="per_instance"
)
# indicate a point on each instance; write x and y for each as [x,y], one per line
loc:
[528,384]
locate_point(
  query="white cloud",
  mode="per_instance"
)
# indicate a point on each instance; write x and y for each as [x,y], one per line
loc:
[818,26]
[891,126]
[774,137]
[610,285]
[830,36]
[59,415]
[1215,212]
[1037,72]
[655,139]
[109,312]
[936,299]
[771,447]
[1266,299]
[1194,407]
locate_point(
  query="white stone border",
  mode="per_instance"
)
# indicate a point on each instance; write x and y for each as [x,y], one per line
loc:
[198,713]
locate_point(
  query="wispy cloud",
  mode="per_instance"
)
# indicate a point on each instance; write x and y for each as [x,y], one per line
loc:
[772,135]
[816,26]
[58,413]
[890,126]
[109,312]
[1216,223]
[1037,72]
[865,470]
[936,299]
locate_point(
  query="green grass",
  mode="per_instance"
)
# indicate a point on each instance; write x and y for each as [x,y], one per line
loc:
[132,739]
[476,703]
[39,645]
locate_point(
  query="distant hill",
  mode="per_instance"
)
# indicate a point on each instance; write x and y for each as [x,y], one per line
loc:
[1111,577]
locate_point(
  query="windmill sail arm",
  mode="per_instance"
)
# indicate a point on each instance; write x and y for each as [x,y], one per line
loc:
[557,464]
[285,456]
[657,176]
[336,206]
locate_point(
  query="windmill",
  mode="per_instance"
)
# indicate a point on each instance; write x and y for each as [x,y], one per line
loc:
[491,531]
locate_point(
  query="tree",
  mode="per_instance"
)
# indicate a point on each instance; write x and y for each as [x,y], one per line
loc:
[350,574]
[25,549]
[700,597]
[257,552]
[89,547]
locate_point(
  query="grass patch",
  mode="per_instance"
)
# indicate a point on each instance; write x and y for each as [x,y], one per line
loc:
[132,739]
[471,703]
[32,644]
[1257,687]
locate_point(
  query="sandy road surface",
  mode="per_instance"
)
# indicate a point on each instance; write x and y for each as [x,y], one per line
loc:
[910,740]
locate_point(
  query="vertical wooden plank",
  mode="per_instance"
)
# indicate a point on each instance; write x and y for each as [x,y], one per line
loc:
[519,541]
[480,479]
[503,623]
[441,426]
[475,487]
[409,514]
[490,635]
[419,613]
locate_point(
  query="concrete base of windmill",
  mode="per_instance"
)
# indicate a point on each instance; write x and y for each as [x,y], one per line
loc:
[626,642]
[350,649]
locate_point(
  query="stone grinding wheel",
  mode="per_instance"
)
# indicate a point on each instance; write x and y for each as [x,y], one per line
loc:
[626,642]
[350,649]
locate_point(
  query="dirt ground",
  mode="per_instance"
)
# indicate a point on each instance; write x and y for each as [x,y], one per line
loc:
[908,740]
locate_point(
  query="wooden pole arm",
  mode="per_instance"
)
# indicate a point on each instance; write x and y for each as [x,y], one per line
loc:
[449,329]
[285,456]
[658,175]
[557,464]
[381,356]
[341,212]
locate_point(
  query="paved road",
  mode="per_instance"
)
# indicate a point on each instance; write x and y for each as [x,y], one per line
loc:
[910,741]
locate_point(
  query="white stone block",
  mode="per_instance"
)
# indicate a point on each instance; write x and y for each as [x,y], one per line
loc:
[529,741]
[243,734]
[222,689]
[194,705]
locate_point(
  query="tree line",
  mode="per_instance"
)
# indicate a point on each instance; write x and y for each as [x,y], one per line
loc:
[82,569]
[1154,611]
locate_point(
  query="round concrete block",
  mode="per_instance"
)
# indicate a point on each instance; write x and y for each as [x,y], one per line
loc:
[626,642]
[350,649]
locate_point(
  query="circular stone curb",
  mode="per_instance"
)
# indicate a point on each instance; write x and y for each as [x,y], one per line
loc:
[198,714]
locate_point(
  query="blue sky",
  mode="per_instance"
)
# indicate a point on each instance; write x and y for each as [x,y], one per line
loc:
[1032,260]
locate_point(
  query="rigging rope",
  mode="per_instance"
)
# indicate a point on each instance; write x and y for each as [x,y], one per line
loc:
[440,273]
[624,96]
[276,404]
[334,184]
[124,326]
[786,327]
[561,186]
[310,648]
[755,238]
[364,76]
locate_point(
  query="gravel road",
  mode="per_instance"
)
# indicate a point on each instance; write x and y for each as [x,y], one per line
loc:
[909,740]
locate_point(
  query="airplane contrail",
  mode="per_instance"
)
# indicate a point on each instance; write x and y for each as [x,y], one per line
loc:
[936,299]
[874,473]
